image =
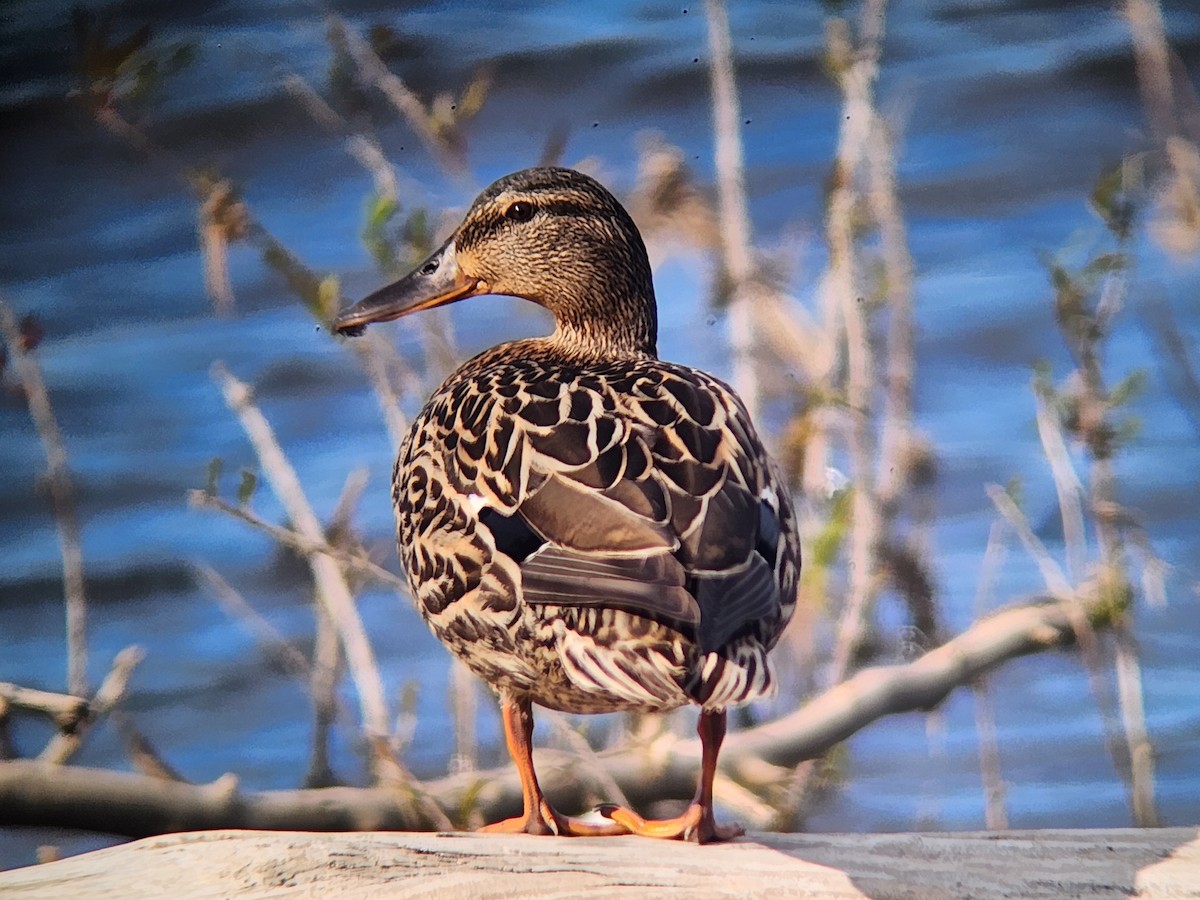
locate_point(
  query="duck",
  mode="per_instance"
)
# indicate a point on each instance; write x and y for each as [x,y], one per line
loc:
[588,527]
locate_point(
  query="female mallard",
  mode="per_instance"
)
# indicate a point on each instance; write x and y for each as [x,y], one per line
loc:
[587,527]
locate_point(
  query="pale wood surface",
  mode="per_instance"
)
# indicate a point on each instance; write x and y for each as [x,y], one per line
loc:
[1160,863]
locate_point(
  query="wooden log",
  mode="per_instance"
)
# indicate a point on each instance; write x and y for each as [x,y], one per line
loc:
[1155,863]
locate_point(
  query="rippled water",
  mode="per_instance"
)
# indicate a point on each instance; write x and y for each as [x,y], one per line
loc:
[1009,111]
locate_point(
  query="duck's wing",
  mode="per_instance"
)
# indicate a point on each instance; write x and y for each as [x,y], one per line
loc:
[643,490]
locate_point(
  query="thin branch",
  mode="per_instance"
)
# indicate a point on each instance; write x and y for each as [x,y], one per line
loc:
[1056,581]
[66,515]
[1066,484]
[299,542]
[589,762]
[464,712]
[322,686]
[236,607]
[857,69]
[364,149]
[896,431]
[65,709]
[375,353]
[375,73]
[1090,650]
[1133,717]
[1180,372]
[7,750]
[327,650]
[995,813]
[731,208]
[332,591]
[144,756]
[1152,58]
[63,746]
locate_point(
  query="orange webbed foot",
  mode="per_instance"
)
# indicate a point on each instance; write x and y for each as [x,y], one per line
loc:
[548,820]
[695,824]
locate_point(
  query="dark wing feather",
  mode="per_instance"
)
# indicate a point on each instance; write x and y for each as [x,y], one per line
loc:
[730,605]
[575,516]
[651,586]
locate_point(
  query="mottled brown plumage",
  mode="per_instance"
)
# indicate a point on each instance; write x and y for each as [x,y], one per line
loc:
[587,527]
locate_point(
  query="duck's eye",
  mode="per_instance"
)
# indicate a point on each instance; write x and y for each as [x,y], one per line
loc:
[520,211]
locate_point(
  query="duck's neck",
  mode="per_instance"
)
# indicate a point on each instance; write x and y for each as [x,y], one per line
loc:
[611,323]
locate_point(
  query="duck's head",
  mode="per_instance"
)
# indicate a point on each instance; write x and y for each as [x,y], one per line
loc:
[550,235]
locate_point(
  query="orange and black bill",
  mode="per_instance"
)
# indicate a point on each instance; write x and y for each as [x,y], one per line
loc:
[435,282]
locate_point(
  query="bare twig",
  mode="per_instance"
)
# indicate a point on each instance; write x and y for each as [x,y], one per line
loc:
[299,542]
[1052,573]
[1089,647]
[857,68]
[144,756]
[732,212]
[66,515]
[589,762]
[464,710]
[377,356]
[63,746]
[365,149]
[393,775]
[216,230]
[1066,483]
[1133,717]
[1181,372]
[332,591]
[896,431]
[995,813]
[375,73]
[1153,64]
[264,632]
[7,750]
[322,685]
[66,710]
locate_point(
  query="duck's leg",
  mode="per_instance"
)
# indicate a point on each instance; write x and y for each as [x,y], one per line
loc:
[539,816]
[697,822]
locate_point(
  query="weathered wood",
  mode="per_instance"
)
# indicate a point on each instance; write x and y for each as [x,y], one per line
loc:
[248,864]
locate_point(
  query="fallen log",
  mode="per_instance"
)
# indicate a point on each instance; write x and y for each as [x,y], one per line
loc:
[1117,863]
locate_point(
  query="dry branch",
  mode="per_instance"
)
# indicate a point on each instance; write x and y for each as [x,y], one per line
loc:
[376,73]
[857,68]
[113,802]
[731,209]
[757,758]
[300,543]
[236,607]
[65,709]
[63,745]
[66,515]
[365,149]
[332,591]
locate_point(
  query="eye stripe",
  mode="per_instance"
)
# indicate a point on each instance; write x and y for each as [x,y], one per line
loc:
[475,230]
[520,211]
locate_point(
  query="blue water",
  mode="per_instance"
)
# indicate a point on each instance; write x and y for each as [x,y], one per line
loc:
[1008,110]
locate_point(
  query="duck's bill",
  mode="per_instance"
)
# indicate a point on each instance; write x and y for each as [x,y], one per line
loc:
[435,282]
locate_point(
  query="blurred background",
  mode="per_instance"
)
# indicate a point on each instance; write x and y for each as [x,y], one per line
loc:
[210,207]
